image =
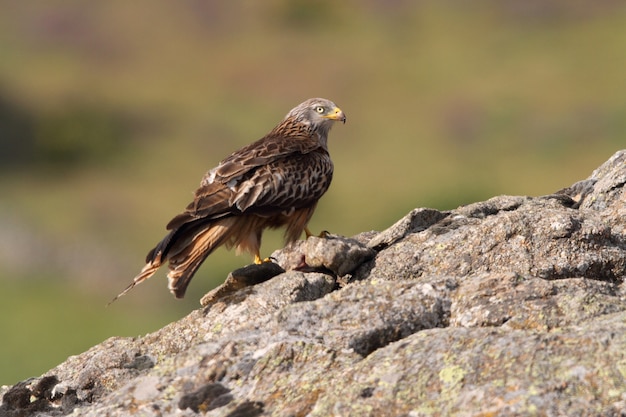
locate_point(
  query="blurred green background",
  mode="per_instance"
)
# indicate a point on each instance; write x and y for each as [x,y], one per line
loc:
[110,113]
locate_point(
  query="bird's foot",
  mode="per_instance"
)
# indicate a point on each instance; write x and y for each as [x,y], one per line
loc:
[324,234]
[258,260]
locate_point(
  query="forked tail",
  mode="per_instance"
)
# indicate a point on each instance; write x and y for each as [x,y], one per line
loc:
[185,248]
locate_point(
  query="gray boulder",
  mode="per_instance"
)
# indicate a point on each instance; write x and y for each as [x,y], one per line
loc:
[512,306]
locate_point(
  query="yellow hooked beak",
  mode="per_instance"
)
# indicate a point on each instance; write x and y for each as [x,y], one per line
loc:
[336,114]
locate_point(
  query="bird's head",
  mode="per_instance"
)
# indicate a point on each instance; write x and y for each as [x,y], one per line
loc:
[318,113]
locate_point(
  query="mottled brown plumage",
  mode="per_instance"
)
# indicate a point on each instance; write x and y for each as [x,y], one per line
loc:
[273,182]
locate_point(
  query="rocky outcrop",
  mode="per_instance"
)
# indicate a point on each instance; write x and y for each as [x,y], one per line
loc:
[512,306]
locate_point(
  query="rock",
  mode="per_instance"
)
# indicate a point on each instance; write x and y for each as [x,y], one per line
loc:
[417,220]
[337,254]
[512,306]
[488,371]
[332,254]
[240,278]
[207,397]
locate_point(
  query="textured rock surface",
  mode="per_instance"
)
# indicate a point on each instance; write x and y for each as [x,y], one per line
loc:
[512,306]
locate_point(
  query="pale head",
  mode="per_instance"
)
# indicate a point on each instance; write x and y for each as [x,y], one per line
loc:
[318,113]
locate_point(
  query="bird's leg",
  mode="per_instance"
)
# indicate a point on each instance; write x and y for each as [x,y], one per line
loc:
[257,258]
[257,254]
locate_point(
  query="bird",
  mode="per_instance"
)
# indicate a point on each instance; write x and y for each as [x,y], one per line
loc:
[274,182]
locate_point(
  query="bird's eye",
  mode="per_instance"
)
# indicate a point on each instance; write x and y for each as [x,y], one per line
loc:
[319,109]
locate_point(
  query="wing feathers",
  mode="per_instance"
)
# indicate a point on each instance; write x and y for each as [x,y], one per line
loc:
[291,181]
[210,202]
[266,150]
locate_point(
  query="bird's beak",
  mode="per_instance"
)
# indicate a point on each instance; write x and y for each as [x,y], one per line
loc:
[337,114]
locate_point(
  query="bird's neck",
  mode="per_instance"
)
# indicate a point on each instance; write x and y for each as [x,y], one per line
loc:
[304,128]
[322,134]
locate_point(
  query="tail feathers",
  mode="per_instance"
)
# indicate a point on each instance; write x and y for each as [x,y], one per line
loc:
[188,246]
[145,273]
[180,277]
[185,263]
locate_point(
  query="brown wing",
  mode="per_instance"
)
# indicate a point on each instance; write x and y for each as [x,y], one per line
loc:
[293,181]
[289,183]
[251,174]
[285,139]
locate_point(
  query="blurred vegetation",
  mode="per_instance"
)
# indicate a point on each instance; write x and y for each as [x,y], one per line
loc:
[110,112]
[62,139]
